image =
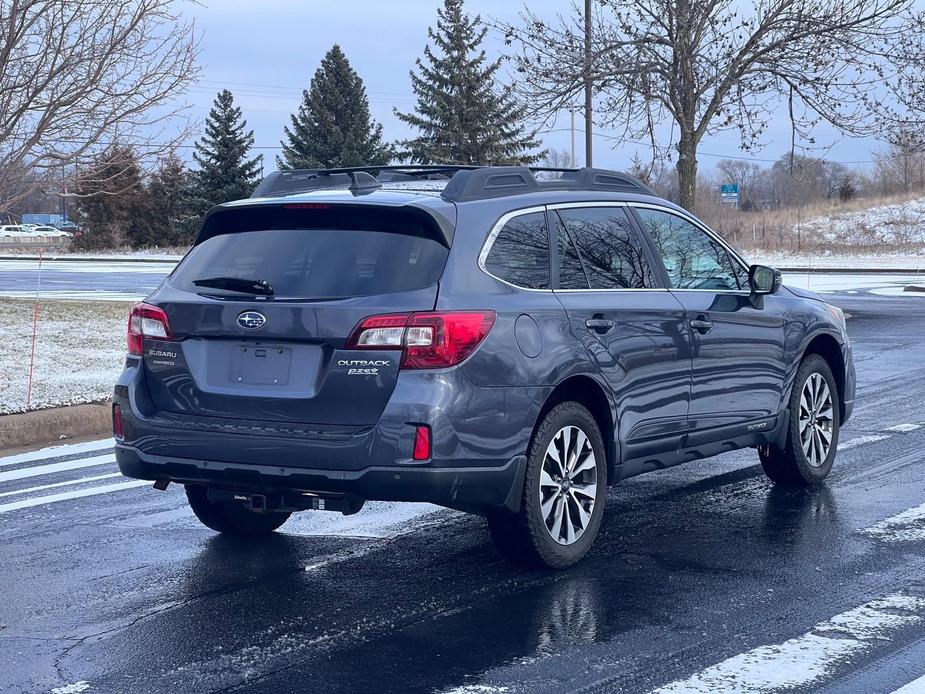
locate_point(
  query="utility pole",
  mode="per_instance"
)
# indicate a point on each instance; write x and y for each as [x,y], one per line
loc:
[572,162]
[588,124]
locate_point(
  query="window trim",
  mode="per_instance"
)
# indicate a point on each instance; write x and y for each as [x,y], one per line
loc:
[493,235]
[648,242]
[730,252]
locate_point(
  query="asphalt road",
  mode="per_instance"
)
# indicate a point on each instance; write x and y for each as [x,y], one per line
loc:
[705,578]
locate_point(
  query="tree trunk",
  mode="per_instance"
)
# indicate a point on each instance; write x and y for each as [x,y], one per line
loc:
[687,172]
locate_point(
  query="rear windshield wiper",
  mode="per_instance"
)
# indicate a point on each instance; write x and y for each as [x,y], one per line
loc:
[237,284]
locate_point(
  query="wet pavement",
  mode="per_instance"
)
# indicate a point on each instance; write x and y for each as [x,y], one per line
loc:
[704,578]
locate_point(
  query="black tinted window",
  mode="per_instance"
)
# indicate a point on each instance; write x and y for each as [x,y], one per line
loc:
[317,263]
[520,253]
[571,272]
[693,260]
[611,250]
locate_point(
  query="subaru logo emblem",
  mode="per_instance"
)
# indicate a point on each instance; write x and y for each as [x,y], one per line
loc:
[251,320]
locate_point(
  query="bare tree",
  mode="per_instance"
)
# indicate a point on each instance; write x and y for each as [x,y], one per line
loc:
[713,65]
[77,76]
[902,168]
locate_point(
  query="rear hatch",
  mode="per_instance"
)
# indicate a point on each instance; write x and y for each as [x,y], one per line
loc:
[261,309]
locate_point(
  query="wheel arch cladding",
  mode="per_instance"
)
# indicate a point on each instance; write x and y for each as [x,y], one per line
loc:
[587,392]
[828,348]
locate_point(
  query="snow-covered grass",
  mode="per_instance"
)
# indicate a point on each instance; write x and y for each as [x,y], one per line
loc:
[897,225]
[886,226]
[79,352]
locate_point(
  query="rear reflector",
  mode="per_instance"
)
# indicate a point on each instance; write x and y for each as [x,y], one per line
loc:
[421,443]
[117,428]
[429,340]
[144,321]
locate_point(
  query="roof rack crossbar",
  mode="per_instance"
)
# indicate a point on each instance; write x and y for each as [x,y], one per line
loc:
[468,182]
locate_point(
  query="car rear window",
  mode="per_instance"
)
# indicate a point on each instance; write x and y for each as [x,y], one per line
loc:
[316,263]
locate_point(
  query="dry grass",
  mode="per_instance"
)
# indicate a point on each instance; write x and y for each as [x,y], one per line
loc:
[785,230]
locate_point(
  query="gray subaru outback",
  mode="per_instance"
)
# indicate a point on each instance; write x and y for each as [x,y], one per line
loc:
[473,337]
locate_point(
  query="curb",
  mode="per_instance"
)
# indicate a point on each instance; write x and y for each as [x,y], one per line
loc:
[94,259]
[52,425]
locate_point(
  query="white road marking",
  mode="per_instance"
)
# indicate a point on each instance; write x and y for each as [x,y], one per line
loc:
[861,440]
[908,526]
[904,428]
[806,659]
[38,471]
[56,451]
[75,688]
[917,687]
[76,494]
[41,487]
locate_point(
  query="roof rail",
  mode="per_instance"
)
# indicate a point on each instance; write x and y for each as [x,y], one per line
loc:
[295,181]
[501,181]
[465,182]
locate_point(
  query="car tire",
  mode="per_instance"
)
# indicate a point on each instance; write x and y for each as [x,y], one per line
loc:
[813,417]
[562,503]
[230,518]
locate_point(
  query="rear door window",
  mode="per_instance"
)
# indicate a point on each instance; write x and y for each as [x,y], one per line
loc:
[520,252]
[610,249]
[571,272]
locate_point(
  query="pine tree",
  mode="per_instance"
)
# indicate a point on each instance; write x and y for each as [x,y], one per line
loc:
[113,207]
[333,127]
[175,221]
[461,116]
[225,171]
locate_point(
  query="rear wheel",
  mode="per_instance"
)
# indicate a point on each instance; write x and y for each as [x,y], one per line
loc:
[565,489]
[813,428]
[231,518]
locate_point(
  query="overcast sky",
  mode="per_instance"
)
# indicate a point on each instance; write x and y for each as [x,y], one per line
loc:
[265,52]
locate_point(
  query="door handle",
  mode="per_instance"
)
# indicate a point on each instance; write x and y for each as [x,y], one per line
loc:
[702,324]
[599,324]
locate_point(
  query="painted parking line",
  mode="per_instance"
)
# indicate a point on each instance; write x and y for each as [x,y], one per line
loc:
[67,496]
[51,468]
[55,485]
[861,440]
[908,526]
[807,659]
[62,451]
[917,687]
[903,428]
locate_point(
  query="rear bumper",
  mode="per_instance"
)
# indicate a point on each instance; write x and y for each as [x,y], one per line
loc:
[463,488]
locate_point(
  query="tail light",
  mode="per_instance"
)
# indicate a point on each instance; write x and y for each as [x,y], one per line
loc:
[148,321]
[430,340]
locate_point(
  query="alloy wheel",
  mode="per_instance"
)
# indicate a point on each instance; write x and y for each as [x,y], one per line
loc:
[817,419]
[568,485]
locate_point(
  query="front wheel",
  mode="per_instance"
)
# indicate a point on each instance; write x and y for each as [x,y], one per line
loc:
[565,489]
[813,426]
[230,518]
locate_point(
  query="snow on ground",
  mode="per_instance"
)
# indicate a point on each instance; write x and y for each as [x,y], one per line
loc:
[845,261]
[80,349]
[899,224]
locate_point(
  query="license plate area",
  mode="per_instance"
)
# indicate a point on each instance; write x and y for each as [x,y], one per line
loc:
[257,364]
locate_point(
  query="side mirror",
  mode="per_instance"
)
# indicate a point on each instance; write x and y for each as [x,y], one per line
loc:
[763,279]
